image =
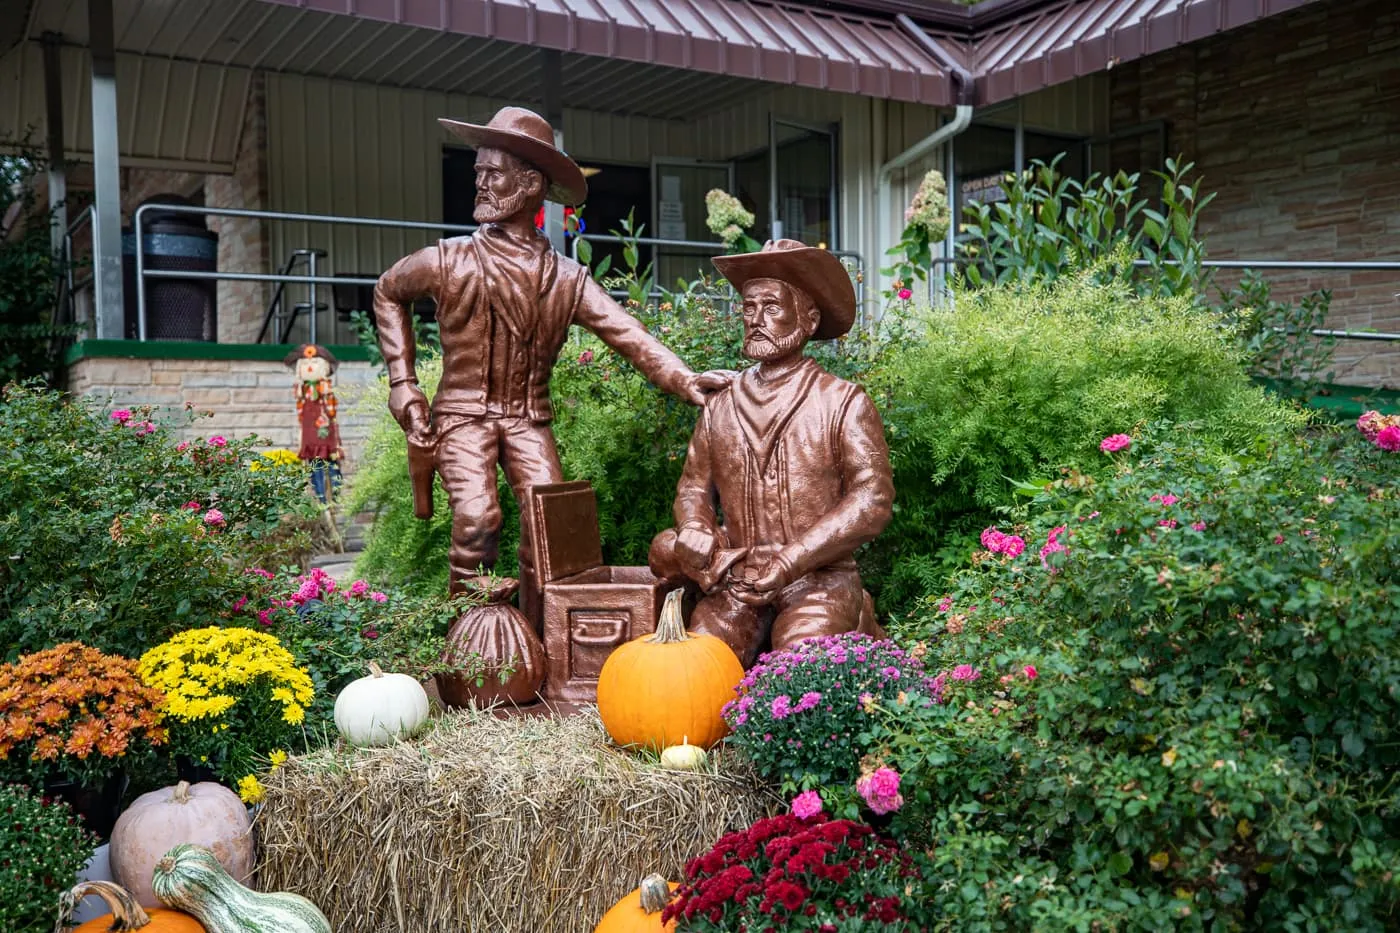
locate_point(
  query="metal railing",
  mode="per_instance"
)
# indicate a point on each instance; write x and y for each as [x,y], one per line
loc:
[314,279]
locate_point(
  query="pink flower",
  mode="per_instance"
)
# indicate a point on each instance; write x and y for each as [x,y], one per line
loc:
[1198,526]
[1168,523]
[880,790]
[359,588]
[218,441]
[145,427]
[991,539]
[370,633]
[807,805]
[192,505]
[1052,546]
[966,672]
[242,601]
[377,596]
[309,589]
[781,706]
[1012,546]
[1278,539]
[809,700]
[265,616]
[905,294]
[1388,438]
[214,517]
[999,542]
[1369,424]
[1114,443]
[182,447]
[120,415]
[265,574]
[1030,672]
[1167,499]
[945,604]
[586,357]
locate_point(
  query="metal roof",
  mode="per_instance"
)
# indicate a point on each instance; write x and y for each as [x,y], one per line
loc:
[1055,42]
[746,39]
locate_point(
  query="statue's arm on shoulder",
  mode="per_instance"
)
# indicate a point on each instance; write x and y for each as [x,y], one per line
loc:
[598,312]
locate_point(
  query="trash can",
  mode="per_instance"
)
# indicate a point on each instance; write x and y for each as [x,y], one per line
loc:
[176,309]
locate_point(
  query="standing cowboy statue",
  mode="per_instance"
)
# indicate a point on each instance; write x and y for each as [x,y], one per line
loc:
[505,301]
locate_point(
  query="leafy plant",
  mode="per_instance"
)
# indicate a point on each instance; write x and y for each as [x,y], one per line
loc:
[1185,708]
[43,846]
[30,337]
[336,631]
[726,217]
[115,535]
[1052,225]
[1277,336]
[1012,383]
[925,224]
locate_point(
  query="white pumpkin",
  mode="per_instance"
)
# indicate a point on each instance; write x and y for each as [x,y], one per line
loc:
[381,708]
[683,757]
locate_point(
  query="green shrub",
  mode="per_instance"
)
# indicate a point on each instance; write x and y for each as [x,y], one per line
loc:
[1013,383]
[115,536]
[1182,714]
[43,846]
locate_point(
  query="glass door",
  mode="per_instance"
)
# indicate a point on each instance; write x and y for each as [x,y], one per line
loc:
[802,196]
[679,187]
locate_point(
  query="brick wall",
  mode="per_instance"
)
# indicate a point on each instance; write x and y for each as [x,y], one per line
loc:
[246,396]
[243,242]
[1295,121]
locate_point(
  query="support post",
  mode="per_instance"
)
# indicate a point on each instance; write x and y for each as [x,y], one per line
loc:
[551,73]
[107,210]
[58,171]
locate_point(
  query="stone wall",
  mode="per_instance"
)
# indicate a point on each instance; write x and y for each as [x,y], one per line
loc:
[1295,121]
[245,396]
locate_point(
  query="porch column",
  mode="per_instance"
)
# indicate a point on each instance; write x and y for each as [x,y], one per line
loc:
[551,68]
[107,207]
[58,172]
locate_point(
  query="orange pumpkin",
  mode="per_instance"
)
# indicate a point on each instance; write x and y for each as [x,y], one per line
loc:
[126,913]
[640,911]
[668,687]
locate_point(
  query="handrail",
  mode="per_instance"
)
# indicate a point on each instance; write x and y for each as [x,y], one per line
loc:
[142,272]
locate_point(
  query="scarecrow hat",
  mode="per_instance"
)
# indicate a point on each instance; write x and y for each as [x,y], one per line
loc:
[527,135]
[816,271]
[307,350]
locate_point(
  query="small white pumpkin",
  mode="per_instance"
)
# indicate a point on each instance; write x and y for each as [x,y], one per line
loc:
[380,708]
[683,757]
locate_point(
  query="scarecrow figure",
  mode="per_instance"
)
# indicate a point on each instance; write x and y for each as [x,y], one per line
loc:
[320,435]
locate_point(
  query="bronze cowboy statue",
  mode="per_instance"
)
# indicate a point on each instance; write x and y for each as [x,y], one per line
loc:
[787,473]
[505,301]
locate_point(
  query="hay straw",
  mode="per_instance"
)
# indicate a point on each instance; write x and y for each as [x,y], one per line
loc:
[533,825]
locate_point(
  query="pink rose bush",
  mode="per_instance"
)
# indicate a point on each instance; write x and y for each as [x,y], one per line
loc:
[880,790]
[1115,442]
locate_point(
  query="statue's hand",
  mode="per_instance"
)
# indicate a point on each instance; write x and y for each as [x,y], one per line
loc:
[760,586]
[409,406]
[702,384]
[694,547]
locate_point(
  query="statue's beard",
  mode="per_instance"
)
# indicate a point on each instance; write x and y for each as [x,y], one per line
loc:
[492,210]
[762,347]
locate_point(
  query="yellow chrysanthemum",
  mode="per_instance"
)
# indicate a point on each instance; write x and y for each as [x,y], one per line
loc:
[250,789]
[277,759]
[294,714]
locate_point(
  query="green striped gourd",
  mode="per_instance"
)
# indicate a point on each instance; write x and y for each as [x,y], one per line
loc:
[189,878]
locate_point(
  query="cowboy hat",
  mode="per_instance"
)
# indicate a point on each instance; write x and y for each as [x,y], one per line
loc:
[816,271]
[527,135]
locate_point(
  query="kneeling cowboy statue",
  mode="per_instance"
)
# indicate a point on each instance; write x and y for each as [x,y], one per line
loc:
[505,301]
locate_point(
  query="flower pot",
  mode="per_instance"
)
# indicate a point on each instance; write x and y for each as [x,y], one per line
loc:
[97,804]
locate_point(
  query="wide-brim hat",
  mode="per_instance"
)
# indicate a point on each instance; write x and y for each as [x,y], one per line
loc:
[311,350]
[527,135]
[816,271]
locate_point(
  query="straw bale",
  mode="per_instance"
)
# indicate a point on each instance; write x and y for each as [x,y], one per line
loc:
[535,825]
